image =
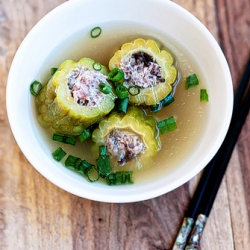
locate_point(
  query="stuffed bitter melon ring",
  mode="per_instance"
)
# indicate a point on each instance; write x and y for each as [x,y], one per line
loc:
[147,67]
[71,101]
[128,136]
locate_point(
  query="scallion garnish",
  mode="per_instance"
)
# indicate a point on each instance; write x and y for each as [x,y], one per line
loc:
[191,81]
[102,150]
[203,95]
[123,104]
[116,75]
[121,177]
[104,88]
[72,162]
[103,166]
[35,88]
[84,166]
[95,32]
[92,175]
[53,71]
[167,125]
[97,66]
[134,90]
[121,91]
[156,108]
[84,135]
[58,154]
[64,139]
[167,100]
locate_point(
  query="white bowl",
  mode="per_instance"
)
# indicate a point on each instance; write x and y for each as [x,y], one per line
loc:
[61,35]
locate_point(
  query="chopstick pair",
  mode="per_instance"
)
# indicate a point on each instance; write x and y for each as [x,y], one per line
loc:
[200,206]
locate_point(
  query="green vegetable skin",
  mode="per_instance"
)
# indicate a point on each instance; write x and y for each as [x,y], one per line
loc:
[151,95]
[135,120]
[57,109]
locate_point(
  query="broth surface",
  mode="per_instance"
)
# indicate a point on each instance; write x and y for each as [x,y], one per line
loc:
[191,115]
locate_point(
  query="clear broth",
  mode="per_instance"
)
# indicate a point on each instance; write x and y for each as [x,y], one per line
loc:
[191,114]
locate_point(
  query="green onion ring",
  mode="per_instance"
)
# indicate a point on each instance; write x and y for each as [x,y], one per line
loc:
[97,66]
[95,32]
[116,75]
[89,175]
[134,87]
[35,88]
[104,88]
[121,91]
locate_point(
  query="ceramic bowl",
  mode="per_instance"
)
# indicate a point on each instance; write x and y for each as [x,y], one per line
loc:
[64,33]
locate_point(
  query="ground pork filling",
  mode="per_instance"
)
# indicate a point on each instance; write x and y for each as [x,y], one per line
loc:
[83,85]
[125,145]
[141,70]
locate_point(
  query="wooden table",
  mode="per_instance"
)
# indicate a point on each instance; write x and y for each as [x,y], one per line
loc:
[35,214]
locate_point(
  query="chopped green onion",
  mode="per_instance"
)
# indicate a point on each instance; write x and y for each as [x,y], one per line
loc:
[123,104]
[121,91]
[84,135]
[163,103]
[35,88]
[102,150]
[92,175]
[103,166]
[121,177]
[116,75]
[128,179]
[104,88]
[203,95]
[167,125]
[156,108]
[191,81]
[58,154]
[71,162]
[97,66]
[64,139]
[95,32]
[167,100]
[84,166]
[53,71]
[134,90]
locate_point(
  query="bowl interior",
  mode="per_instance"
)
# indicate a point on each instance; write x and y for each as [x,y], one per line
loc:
[64,34]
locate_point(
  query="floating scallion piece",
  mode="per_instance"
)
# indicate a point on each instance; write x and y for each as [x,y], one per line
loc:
[64,139]
[97,66]
[88,169]
[84,135]
[102,150]
[119,178]
[35,88]
[191,81]
[95,32]
[104,88]
[121,91]
[167,100]
[134,90]
[163,103]
[58,154]
[72,162]
[103,166]
[53,71]
[123,104]
[167,125]
[203,95]
[116,75]
[156,108]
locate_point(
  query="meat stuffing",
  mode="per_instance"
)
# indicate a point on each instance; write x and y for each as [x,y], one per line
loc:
[83,85]
[125,145]
[141,70]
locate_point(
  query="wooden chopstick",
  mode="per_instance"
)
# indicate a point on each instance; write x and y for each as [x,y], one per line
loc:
[202,201]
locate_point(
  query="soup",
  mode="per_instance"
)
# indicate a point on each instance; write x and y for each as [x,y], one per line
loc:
[190,114]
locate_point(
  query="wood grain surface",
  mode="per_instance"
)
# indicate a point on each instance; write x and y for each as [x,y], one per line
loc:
[35,214]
